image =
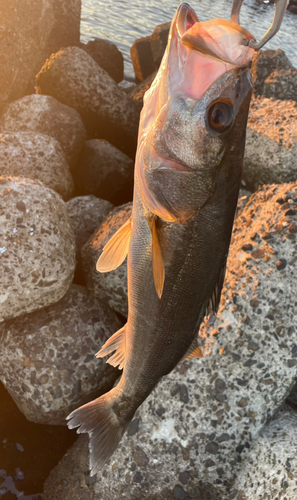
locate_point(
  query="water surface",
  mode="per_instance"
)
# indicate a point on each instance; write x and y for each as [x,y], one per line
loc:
[122,21]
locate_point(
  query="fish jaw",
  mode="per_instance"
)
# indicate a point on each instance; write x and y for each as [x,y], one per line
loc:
[179,155]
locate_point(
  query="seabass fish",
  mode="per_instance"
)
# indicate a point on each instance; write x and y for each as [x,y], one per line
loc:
[187,176]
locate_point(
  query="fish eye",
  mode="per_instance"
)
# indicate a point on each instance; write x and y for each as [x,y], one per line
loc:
[220,116]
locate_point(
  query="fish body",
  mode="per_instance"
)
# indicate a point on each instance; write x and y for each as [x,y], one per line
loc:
[187,177]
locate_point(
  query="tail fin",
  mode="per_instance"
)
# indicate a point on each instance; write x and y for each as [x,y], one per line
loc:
[104,427]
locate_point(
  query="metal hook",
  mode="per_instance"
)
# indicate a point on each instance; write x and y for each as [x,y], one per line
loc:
[280,9]
[236,6]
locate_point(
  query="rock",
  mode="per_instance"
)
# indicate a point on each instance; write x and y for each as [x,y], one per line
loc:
[194,449]
[281,84]
[142,58]
[66,31]
[138,91]
[45,115]
[271,143]
[26,26]
[75,79]
[293,9]
[37,252]
[270,470]
[36,156]
[107,55]
[104,171]
[48,362]
[70,479]
[292,398]
[264,63]
[86,214]
[110,288]
[147,52]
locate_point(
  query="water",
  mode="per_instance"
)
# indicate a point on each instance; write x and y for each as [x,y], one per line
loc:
[122,21]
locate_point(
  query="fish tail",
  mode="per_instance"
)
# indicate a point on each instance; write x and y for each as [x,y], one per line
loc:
[104,427]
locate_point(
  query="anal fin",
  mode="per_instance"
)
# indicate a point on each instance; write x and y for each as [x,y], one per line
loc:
[116,250]
[158,266]
[115,343]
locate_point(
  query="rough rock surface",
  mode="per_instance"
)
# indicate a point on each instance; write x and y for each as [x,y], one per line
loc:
[264,63]
[281,84]
[271,143]
[138,91]
[271,468]
[292,398]
[159,40]
[74,78]
[108,56]
[86,213]
[37,249]
[104,171]
[47,358]
[110,288]
[36,156]
[66,31]
[26,26]
[201,420]
[45,115]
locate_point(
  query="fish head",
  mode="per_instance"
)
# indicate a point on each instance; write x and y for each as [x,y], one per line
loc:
[194,118]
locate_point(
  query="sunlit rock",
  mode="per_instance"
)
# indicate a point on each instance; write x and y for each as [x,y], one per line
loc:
[264,63]
[86,214]
[36,156]
[74,78]
[107,55]
[110,288]
[193,432]
[37,247]
[271,143]
[47,358]
[281,84]
[45,115]
[104,171]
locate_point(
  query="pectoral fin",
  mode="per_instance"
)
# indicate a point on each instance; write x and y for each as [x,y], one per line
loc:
[158,266]
[115,343]
[116,250]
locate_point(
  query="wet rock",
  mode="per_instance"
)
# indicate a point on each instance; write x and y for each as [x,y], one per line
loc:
[75,79]
[110,288]
[37,252]
[138,91]
[107,55]
[281,84]
[104,171]
[271,143]
[234,390]
[86,214]
[48,362]
[36,156]
[45,115]
[147,52]
[270,469]
[264,63]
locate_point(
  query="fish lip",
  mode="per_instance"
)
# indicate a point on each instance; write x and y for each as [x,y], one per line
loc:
[186,18]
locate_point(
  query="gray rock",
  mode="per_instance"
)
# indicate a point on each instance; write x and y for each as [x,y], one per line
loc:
[264,63]
[66,31]
[45,115]
[36,156]
[281,84]
[86,214]
[159,39]
[270,470]
[271,143]
[193,448]
[110,288]
[107,55]
[37,252]
[104,171]
[47,358]
[75,79]
[292,398]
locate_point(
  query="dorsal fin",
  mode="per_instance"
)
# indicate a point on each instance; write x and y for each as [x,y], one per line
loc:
[194,351]
[214,301]
[117,343]
[158,266]
[116,250]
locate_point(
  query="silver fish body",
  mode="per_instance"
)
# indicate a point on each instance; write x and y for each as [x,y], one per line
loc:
[188,172]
